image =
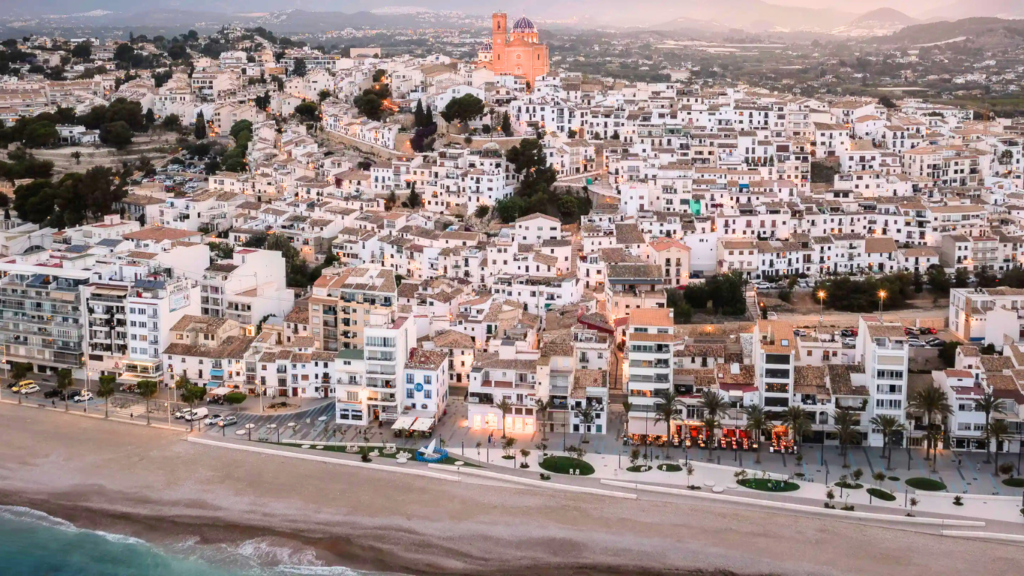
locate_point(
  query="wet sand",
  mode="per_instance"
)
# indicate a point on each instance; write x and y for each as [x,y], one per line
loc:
[153,485]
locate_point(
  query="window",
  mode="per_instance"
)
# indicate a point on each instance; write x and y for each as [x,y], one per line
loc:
[409,379]
[427,380]
[428,394]
[352,396]
[410,394]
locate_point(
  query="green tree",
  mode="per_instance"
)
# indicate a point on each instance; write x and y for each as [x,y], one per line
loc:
[116,134]
[823,172]
[414,200]
[378,75]
[961,278]
[82,51]
[239,128]
[106,390]
[463,109]
[65,380]
[308,111]
[757,424]
[510,209]
[541,409]
[847,429]
[988,404]
[40,134]
[171,122]
[505,406]
[587,415]
[200,127]
[148,389]
[996,431]
[934,404]
[889,425]
[323,95]
[124,53]
[299,68]
[795,418]
[506,125]
[937,279]
[419,116]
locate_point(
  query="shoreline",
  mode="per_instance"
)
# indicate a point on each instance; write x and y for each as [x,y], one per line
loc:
[152,485]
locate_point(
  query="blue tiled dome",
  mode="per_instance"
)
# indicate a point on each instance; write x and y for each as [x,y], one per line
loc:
[486,47]
[523,25]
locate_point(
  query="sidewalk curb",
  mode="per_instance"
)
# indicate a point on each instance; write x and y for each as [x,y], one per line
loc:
[797,507]
[753,473]
[984,536]
[534,483]
[95,416]
[314,458]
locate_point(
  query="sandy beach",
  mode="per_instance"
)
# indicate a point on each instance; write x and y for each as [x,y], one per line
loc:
[151,484]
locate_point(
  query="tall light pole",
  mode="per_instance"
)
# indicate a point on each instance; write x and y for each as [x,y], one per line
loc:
[821,309]
[881,299]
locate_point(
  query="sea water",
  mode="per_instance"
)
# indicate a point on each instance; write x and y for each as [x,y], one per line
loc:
[33,543]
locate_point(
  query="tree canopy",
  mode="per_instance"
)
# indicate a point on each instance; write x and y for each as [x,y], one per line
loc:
[463,109]
[73,200]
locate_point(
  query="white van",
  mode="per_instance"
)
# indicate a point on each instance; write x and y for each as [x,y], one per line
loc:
[197,414]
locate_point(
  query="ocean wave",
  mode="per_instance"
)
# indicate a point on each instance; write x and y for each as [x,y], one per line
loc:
[43,519]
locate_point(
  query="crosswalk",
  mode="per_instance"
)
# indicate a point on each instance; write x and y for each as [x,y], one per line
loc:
[315,425]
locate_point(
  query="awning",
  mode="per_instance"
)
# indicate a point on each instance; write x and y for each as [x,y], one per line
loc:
[403,423]
[220,391]
[422,424]
[217,372]
[647,426]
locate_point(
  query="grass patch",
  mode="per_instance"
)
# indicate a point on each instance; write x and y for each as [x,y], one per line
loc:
[670,467]
[849,485]
[507,457]
[638,468]
[562,465]
[799,474]
[926,484]
[881,494]
[894,478]
[235,397]
[765,485]
[1014,482]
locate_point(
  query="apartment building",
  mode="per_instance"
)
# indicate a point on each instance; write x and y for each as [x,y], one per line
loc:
[345,302]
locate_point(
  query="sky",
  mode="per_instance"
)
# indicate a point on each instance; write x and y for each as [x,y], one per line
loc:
[909,7]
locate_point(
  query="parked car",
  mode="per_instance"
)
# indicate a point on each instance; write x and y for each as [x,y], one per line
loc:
[925,331]
[798,332]
[227,421]
[848,333]
[197,414]
[51,393]
[936,342]
[180,414]
[763,286]
[29,389]
[70,395]
[849,342]
[917,344]
[213,420]
[84,396]
[17,387]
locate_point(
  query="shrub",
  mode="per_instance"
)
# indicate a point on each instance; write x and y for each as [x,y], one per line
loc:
[234,397]
[958,500]
[926,484]
[1006,468]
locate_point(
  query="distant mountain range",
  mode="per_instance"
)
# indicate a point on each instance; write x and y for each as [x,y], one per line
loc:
[880,22]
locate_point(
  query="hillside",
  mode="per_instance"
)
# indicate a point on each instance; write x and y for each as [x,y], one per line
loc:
[978,8]
[979,30]
[887,15]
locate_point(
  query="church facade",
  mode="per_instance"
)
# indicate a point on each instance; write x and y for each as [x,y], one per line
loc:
[516,51]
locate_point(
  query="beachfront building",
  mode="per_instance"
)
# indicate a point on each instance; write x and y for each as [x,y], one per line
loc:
[42,316]
[345,302]
[647,360]
[210,352]
[370,381]
[504,375]
[425,384]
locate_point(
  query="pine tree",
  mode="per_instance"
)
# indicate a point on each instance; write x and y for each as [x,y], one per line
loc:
[414,200]
[419,115]
[200,132]
[506,124]
[428,116]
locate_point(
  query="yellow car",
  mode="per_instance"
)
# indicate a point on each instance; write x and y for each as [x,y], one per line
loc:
[23,384]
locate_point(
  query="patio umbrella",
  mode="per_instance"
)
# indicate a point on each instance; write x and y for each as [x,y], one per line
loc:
[249,427]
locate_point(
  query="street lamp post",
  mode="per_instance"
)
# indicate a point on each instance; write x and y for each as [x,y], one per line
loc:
[881,299]
[821,308]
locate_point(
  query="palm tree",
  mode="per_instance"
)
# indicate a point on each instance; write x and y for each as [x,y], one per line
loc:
[148,389]
[757,424]
[712,402]
[587,414]
[190,395]
[542,407]
[665,412]
[505,406]
[934,403]
[105,390]
[799,423]
[889,425]
[997,430]
[988,404]
[711,424]
[65,380]
[846,428]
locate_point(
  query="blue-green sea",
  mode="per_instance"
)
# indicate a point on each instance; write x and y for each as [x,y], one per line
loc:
[33,544]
